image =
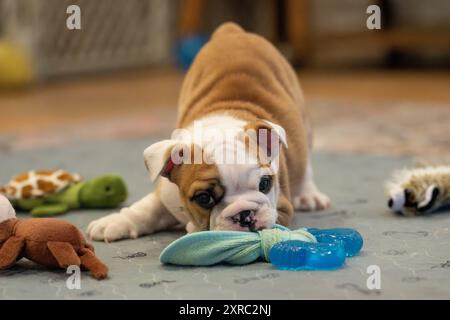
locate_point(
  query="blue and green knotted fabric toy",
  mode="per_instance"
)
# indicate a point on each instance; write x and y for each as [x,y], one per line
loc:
[302,249]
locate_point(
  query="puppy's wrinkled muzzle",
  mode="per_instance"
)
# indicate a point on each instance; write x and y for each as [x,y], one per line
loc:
[247,212]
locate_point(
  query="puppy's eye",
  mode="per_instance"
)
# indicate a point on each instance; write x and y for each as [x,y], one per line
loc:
[204,200]
[265,184]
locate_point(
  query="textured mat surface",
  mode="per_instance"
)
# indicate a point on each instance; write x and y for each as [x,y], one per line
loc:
[412,253]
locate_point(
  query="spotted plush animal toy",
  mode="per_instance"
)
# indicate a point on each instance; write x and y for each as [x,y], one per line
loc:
[33,184]
[418,191]
[53,192]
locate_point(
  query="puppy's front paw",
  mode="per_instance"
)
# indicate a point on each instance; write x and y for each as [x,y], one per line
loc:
[310,201]
[111,228]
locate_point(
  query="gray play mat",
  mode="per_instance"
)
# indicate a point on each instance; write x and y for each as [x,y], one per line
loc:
[412,253]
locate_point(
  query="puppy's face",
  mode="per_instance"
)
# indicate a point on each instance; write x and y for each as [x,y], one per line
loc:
[222,195]
[228,198]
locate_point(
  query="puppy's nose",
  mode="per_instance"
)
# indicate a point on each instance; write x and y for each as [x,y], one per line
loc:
[246,219]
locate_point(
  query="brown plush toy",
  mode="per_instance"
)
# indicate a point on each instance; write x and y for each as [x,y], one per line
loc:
[50,242]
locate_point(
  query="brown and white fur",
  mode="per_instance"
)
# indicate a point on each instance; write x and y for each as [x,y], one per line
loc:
[238,81]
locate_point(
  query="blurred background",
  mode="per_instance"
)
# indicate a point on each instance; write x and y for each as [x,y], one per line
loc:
[381,91]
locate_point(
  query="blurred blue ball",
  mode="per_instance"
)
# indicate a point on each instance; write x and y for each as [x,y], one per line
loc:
[187,49]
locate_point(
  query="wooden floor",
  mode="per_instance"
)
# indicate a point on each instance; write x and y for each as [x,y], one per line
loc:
[71,101]
[398,112]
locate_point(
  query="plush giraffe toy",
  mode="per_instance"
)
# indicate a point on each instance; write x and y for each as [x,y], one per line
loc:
[53,192]
[50,242]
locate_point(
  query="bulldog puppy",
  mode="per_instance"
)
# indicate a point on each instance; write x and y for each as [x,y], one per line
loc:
[239,159]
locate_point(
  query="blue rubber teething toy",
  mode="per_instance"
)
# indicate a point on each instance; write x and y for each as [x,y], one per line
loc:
[329,252]
[351,239]
[302,249]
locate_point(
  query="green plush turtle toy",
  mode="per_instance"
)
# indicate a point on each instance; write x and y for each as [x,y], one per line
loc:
[53,192]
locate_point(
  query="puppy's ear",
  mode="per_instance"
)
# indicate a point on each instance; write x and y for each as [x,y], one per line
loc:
[278,132]
[270,136]
[162,157]
[165,157]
